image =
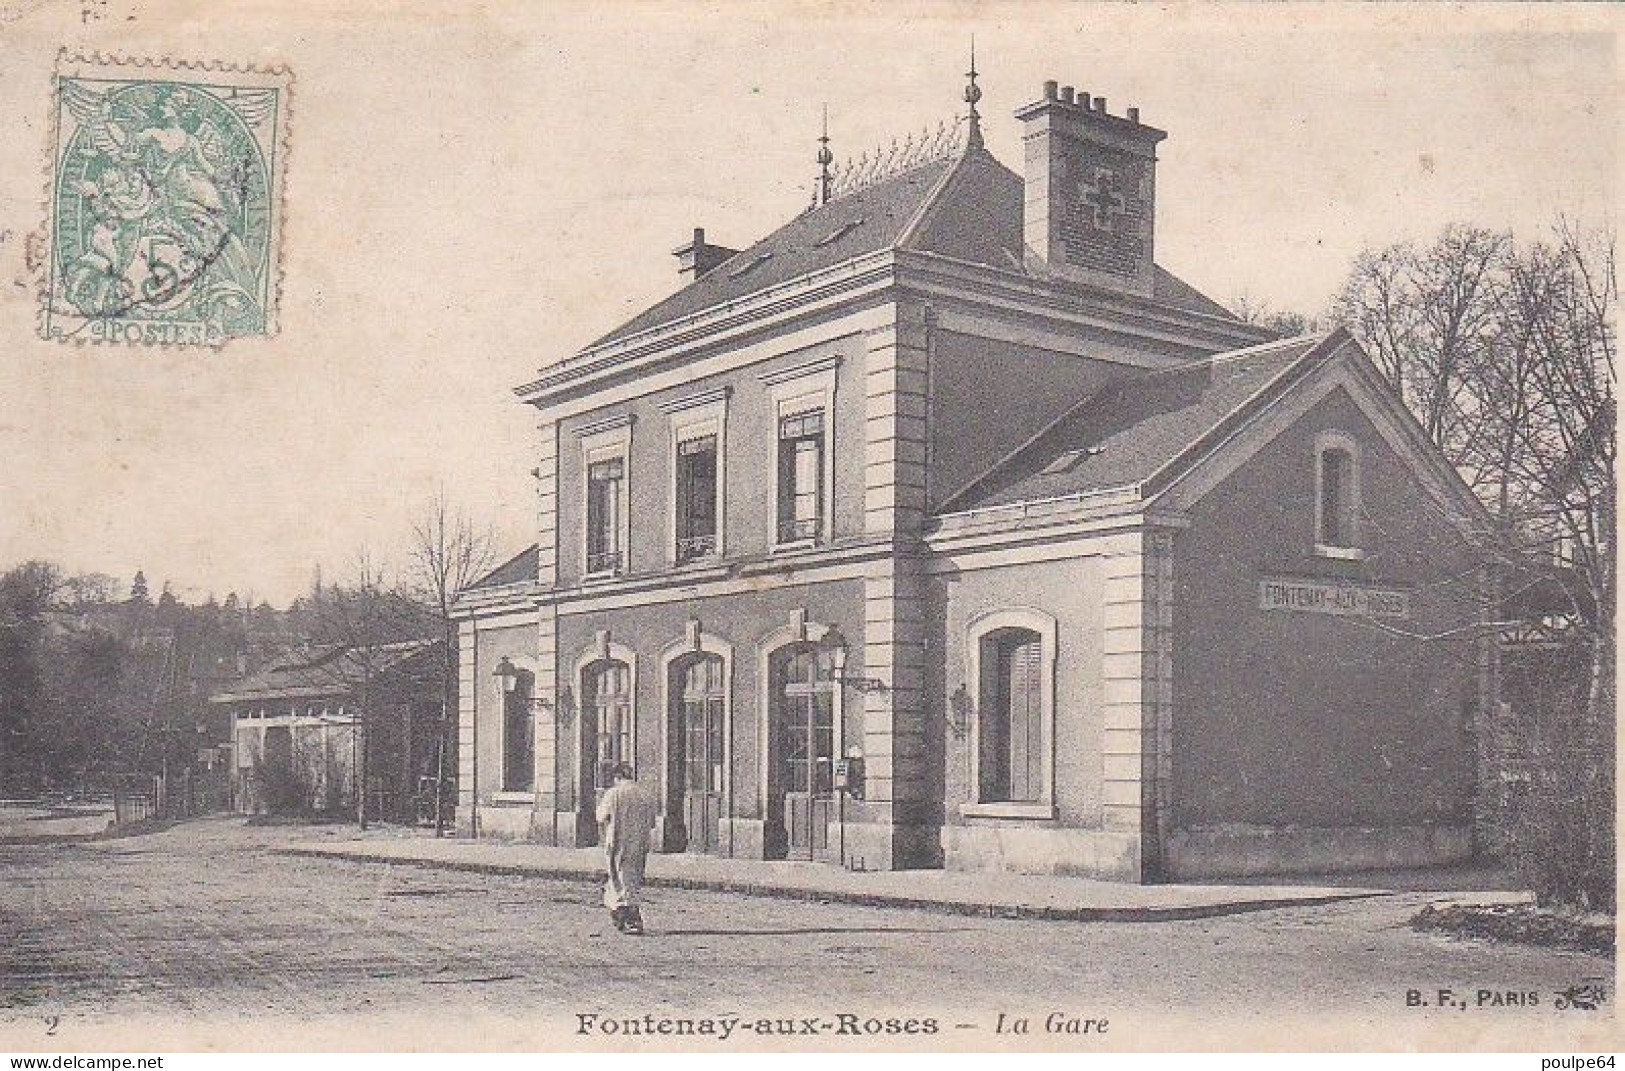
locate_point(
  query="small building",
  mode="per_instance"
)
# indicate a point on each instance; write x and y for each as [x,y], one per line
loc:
[301,727]
[944,527]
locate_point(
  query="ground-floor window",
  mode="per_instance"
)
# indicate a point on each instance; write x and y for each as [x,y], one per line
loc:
[1012,670]
[1012,743]
[518,737]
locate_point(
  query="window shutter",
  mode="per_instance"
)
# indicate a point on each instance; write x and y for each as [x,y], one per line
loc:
[787,484]
[685,496]
[1026,704]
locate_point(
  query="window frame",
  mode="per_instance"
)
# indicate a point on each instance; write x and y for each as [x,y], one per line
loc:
[977,632]
[607,440]
[1329,442]
[697,416]
[526,681]
[694,644]
[601,651]
[800,630]
[787,467]
[796,391]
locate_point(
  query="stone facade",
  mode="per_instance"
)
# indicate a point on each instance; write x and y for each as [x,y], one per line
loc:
[1021,626]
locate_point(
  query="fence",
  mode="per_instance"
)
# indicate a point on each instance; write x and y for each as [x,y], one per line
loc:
[118,800]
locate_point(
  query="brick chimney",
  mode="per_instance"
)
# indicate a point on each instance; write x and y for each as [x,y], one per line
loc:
[699,256]
[1091,182]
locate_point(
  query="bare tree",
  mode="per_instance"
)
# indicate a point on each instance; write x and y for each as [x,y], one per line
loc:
[449,552]
[1250,309]
[1426,316]
[1506,355]
[366,618]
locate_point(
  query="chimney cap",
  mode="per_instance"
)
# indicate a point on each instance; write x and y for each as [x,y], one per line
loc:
[1090,111]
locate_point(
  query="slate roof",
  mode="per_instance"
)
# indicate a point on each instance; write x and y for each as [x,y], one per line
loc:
[516,570]
[1137,423]
[976,217]
[322,671]
[872,218]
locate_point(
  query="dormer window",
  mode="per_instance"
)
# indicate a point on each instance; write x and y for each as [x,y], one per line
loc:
[1337,497]
[838,233]
[1061,462]
[750,265]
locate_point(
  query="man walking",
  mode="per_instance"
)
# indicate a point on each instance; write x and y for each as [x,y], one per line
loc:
[626,813]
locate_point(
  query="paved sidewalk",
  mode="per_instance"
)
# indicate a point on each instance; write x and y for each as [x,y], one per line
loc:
[953,892]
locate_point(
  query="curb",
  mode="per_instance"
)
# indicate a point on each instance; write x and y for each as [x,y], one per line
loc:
[112,832]
[861,899]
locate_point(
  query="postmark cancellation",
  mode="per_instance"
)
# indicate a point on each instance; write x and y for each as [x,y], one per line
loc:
[165,201]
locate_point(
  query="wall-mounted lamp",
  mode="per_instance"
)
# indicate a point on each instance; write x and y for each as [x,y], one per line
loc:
[861,684]
[507,674]
[833,643]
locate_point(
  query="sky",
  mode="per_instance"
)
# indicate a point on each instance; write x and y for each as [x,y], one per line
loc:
[472,197]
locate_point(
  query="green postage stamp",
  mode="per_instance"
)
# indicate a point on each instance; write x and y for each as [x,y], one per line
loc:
[166,202]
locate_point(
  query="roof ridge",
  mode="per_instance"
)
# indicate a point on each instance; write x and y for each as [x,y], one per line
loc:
[1324,345]
[942,142]
[1236,355]
[906,236]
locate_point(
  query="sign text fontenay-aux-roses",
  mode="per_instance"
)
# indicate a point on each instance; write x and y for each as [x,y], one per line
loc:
[1343,600]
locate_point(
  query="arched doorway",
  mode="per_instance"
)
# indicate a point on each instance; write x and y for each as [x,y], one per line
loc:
[801,746]
[697,727]
[606,734]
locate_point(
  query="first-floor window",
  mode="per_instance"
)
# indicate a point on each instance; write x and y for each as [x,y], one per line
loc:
[801,476]
[1011,730]
[696,497]
[518,740]
[606,481]
[607,704]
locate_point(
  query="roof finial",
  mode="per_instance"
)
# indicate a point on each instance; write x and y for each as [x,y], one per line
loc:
[825,158]
[973,93]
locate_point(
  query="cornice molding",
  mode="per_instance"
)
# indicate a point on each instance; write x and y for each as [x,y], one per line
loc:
[609,423]
[932,274]
[695,401]
[834,285]
[801,371]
